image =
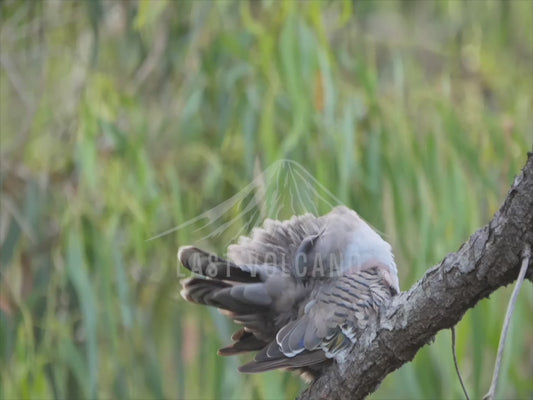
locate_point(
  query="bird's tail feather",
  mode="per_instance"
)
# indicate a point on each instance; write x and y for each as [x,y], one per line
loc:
[244,342]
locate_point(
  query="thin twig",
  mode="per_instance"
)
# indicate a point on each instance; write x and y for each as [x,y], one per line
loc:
[510,308]
[457,364]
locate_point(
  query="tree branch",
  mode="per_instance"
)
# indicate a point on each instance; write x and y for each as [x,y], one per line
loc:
[490,259]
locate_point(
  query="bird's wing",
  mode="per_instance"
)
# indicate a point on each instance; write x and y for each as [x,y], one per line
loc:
[276,243]
[329,325]
[300,245]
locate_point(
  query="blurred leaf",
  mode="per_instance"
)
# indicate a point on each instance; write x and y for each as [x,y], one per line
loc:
[78,275]
[9,244]
[148,12]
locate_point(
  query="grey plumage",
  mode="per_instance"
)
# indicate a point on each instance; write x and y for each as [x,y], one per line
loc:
[303,289]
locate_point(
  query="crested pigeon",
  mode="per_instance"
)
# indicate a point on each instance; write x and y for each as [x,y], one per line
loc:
[302,289]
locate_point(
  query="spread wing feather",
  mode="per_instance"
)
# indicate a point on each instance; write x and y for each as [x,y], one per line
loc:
[276,243]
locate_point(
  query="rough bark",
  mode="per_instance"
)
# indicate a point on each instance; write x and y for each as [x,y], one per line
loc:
[490,259]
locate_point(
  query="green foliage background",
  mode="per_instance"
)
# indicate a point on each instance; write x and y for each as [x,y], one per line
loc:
[122,119]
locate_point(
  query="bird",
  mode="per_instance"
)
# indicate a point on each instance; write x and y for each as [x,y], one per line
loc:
[303,289]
